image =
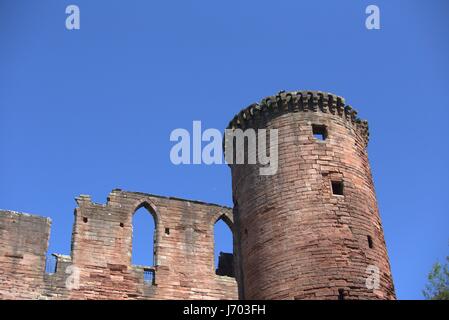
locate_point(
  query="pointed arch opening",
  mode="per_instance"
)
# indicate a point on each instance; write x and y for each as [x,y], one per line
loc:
[144,226]
[223,247]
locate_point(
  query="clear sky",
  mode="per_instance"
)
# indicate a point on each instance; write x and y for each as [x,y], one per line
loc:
[90,110]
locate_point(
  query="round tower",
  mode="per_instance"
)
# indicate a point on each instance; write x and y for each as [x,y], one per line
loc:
[312,229]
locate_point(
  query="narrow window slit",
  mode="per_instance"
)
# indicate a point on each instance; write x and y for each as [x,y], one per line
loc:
[341,294]
[223,248]
[370,242]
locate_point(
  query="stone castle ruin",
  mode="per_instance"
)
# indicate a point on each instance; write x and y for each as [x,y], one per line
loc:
[310,231]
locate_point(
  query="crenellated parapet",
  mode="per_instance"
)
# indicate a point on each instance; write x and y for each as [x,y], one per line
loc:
[300,101]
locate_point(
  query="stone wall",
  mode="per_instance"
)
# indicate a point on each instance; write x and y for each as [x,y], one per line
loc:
[101,252]
[296,238]
[23,245]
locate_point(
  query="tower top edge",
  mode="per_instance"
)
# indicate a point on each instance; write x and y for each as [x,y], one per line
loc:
[299,101]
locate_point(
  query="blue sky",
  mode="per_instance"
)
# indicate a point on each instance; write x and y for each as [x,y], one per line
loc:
[86,111]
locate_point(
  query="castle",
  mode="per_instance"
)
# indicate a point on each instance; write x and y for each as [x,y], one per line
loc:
[310,231]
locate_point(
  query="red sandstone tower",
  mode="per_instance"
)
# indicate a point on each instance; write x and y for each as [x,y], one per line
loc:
[312,230]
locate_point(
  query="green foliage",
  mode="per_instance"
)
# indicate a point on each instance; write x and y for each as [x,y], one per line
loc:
[438,285]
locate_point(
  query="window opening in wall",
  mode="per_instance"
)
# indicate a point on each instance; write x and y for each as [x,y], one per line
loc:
[143,238]
[223,248]
[370,242]
[341,294]
[50,264]
[337,187]
[319,132]
[148,276]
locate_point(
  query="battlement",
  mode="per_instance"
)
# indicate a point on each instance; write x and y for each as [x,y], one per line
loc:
[300,101]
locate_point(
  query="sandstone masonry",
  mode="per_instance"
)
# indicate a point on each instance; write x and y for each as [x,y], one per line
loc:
[308,232]
[312,230]
[101,250]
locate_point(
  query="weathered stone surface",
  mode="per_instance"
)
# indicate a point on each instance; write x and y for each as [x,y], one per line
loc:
[295,238]
[23,245]
[101,250]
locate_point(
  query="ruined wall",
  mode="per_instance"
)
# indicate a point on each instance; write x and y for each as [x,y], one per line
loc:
[296,239]
[23,245]
[296,235]
[102,246]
